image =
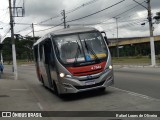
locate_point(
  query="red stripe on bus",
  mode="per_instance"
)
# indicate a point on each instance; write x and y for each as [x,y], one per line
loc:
[86,70]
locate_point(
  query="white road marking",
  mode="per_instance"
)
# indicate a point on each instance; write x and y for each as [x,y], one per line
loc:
[40,106]
[19,89]
[137,94]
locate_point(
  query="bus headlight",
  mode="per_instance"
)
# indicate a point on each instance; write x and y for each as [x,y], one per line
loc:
[110,67]
[62,75]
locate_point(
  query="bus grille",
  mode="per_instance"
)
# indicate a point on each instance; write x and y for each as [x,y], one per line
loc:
[89,86]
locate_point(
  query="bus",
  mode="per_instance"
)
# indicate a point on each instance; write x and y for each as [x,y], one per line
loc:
[74,60]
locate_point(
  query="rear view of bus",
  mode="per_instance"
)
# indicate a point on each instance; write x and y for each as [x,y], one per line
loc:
[81,61]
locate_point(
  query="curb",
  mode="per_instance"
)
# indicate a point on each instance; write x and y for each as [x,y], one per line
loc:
[135,66]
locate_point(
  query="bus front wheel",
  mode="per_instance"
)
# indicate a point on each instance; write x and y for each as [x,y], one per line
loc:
[42,81]
[55,88]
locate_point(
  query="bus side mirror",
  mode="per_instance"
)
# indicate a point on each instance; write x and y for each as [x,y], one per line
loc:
[105,38]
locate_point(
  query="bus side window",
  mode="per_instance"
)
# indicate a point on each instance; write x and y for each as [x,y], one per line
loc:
[41,52]
[48,51]
[36,53]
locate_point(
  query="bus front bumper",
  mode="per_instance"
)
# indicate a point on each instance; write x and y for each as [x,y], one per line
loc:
[70,85]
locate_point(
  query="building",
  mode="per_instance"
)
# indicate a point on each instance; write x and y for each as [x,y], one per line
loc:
[133,46]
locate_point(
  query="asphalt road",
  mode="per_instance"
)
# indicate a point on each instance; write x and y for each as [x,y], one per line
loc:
[135,89]
[144,81]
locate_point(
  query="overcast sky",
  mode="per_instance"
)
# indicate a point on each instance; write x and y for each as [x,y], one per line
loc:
[37,11]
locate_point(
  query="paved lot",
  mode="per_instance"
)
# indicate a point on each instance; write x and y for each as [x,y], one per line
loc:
[27,94]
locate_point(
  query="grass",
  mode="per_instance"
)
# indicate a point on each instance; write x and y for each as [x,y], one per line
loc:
[137,60]
[19,62]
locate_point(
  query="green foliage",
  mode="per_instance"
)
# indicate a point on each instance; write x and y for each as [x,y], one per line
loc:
[157,17]
[23,48]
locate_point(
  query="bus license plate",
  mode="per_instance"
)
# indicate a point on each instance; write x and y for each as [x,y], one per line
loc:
[89,82]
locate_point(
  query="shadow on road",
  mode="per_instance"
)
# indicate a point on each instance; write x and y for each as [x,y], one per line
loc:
[81,95]
[84,95]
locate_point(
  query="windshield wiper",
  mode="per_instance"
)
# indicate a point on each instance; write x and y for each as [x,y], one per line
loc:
[77,53]
[92,51]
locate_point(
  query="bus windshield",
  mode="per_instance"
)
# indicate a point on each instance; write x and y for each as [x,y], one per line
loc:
[84,47]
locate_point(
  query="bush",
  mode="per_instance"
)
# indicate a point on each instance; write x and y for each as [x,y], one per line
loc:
[149,56]
[139,56]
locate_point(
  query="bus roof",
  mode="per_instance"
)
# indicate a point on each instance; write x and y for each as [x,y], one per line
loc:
[67,31]
[72,30]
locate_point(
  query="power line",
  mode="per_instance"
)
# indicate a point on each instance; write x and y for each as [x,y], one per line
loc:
[76,24]
[78,18]
[49,28]
[81,24]
[121,13]
[79,7]
[6,33]
[70,11]
[128,10]
[23,29]
[50,19]
[132,24]
[84,16]
[96,12]
[28,33]
[24,24]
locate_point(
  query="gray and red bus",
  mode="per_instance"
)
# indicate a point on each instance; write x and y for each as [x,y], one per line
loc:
[73,60]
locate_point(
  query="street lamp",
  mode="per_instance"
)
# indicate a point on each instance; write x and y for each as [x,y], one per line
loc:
[153,58]
[117,36]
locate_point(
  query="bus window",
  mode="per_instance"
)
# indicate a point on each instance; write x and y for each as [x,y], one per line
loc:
[81,47]
[69,48]
[36,53]
[93,45]
[47,51]
[41,52]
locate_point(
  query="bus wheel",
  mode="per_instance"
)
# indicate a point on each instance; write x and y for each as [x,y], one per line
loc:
[102,89]
[42,81]
[55,88]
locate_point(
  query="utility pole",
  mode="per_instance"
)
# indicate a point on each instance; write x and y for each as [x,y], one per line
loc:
[13,43]
[153,58]
[33,32]
[14,11]
[1,49]
[117,45]
[64,18]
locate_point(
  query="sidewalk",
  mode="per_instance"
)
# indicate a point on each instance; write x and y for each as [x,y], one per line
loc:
[14,96]
[134,66]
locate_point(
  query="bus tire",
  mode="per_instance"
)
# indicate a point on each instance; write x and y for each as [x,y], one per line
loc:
[55,89]
[102,89]
[42,81]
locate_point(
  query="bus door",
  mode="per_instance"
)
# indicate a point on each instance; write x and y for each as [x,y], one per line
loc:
[48,61]
[43,72]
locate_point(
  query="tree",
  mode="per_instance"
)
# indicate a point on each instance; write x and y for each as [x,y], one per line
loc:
[7,50]
[157,17]
[23,48]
